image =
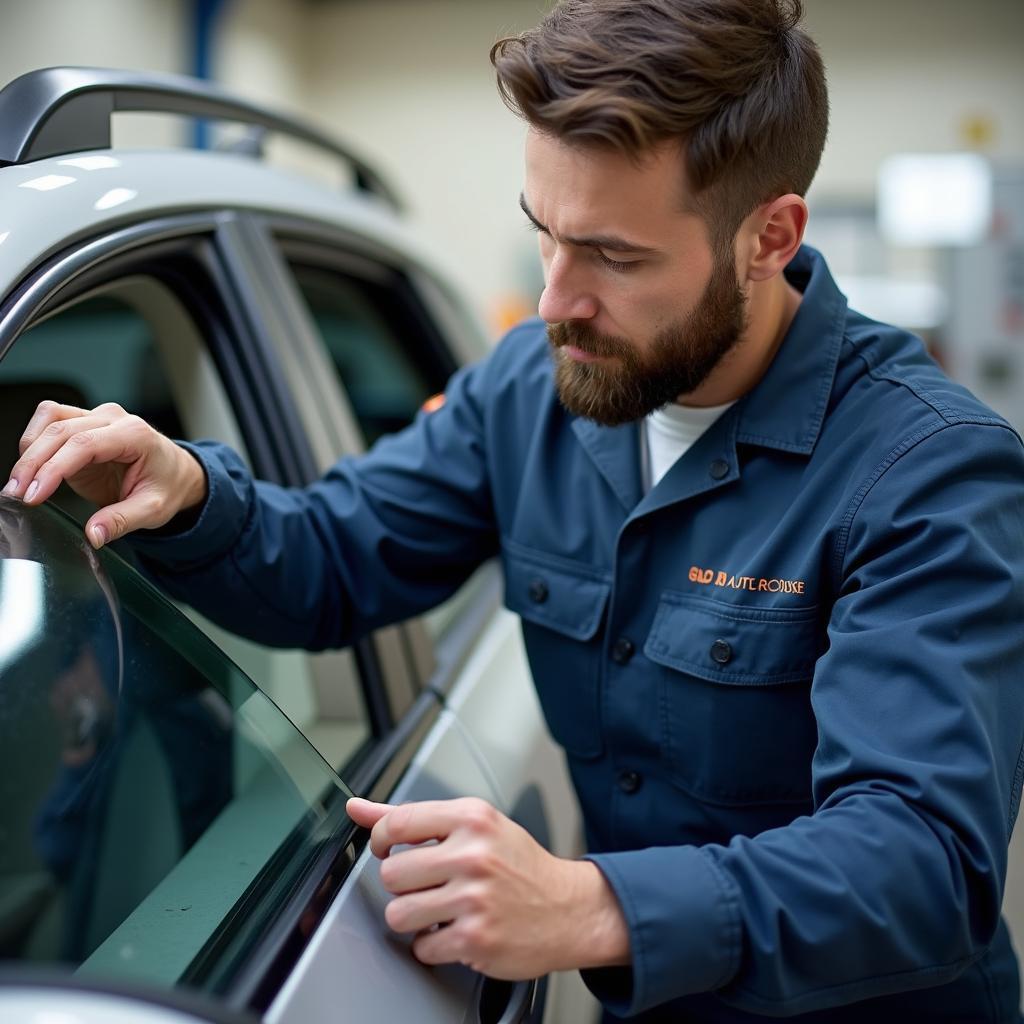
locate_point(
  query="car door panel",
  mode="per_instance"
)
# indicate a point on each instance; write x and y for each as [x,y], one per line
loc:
[354,959]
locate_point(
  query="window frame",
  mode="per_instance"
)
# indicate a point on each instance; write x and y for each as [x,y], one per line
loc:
[455,339]
[403,654]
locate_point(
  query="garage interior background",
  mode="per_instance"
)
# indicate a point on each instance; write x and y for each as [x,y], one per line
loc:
[409,84]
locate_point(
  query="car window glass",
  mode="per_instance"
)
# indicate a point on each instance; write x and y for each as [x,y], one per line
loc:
[135,344]
[155,804]
[386,379]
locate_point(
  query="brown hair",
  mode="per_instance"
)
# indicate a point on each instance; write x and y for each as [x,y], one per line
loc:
[740,86]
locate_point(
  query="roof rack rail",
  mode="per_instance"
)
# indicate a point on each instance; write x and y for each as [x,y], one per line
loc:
[62,110]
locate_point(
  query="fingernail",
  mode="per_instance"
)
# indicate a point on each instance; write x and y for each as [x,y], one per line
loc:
[12,485]
[98,535]
[33,489]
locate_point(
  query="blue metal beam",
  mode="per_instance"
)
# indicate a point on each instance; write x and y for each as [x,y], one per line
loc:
[204,18]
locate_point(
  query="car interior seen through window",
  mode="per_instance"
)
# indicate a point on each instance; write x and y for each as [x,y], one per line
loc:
[382,363]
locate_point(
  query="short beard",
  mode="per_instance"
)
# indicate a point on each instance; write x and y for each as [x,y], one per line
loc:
[680,359]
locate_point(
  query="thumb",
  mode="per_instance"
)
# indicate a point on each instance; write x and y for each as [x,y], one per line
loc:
[113,521]
[366,813]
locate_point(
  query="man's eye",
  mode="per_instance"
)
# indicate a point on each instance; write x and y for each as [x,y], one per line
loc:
[617,265]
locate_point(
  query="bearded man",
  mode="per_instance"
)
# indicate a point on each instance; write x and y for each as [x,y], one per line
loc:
[767,557]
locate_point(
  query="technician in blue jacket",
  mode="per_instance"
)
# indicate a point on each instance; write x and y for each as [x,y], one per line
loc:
[768,559]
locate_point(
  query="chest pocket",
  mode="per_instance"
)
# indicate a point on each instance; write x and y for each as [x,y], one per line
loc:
[736,718]
[562,605]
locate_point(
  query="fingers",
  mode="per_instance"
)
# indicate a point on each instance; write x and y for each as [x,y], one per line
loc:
[50,427]
[420,910]
[424,867]
[431,819]
[46,443]
[441,946]
[45,414]
[70,448]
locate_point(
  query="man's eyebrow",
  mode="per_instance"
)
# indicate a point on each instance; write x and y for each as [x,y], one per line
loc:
[611,242]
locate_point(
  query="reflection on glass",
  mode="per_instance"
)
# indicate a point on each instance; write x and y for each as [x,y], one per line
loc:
[21,607]
[153,803]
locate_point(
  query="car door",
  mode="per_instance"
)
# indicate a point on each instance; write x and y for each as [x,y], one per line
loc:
[166,826]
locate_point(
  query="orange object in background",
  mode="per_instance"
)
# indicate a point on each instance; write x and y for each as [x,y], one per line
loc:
[509,310]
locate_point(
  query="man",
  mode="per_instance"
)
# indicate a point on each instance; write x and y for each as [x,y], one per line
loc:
[768,561]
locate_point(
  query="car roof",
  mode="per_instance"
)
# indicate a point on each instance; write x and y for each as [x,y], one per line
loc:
[47,204]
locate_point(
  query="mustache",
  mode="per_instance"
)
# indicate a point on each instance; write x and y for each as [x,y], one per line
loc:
[582,336]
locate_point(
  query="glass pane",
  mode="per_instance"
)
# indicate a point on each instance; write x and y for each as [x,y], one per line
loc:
[153,802]
[385,385]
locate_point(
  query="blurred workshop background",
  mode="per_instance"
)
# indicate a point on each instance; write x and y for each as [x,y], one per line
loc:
[919,203]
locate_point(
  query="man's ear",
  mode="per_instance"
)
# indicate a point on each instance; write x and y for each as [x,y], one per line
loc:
[775,232]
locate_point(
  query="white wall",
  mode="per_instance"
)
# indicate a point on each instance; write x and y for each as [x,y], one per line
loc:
[905,75]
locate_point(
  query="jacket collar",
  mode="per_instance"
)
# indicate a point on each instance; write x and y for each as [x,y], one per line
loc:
[786,408]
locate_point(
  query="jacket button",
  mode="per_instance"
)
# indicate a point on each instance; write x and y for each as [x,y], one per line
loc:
[623,650]
[721,652]
[538,591]
[719,469]
[629,782]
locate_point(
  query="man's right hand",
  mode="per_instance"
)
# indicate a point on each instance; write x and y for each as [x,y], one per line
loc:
[138,478]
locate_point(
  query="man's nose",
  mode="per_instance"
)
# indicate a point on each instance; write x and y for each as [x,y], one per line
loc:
[566,295]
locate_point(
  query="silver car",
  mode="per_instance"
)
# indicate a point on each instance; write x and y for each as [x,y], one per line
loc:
[173,840]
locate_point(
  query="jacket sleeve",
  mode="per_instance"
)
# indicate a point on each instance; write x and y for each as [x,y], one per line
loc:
[896,879]
[378,538]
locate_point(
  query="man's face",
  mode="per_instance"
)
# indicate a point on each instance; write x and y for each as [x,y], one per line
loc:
[639,309]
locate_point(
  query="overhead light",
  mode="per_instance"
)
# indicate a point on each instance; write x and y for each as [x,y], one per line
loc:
[935,199]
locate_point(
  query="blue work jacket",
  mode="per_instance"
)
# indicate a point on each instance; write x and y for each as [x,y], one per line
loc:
[789,679]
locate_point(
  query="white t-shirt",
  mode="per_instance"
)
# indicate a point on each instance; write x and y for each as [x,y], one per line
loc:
[669,433]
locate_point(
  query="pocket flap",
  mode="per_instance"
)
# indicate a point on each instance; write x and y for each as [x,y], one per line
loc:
[551,591]
[739,646]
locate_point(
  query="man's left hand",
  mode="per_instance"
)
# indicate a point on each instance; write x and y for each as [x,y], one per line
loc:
[487,895]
